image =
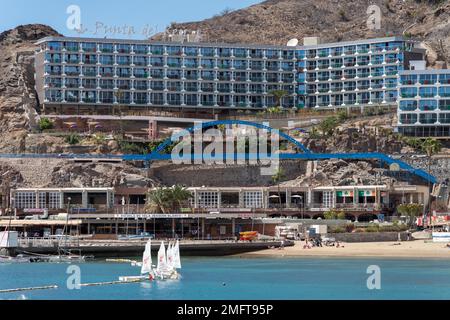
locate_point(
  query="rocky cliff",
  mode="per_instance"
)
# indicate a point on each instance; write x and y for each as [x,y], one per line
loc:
[277,21]
[18,101]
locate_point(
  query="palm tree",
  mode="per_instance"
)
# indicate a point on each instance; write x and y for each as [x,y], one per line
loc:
[158,200]
[276,178]
[431,147]
[179,195]
[167,200]
[278,94]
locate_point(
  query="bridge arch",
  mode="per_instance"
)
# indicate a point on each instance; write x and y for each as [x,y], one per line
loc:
[210,124]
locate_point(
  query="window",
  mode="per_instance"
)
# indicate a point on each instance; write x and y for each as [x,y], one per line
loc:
[158,50]
[408,105]
[123,72]
[207,52]
[140,49]
[140,85]
[140,61]
[174,51]
[53,95]
[89,83]
[190,51]
[72,96]
[427,78]
[408,118]
[25,200]
[123,48]
[54,200]
[89,71]
[107,84]
[427,105]
[191,63]
[140,98]
[106,47]
[89,96]
[444,118]
[54,46]
[427,92]
[123,60]
[327,199]
[106,97]
[428,118]
[253,199]
[89,47]
[107,60]
[208,199]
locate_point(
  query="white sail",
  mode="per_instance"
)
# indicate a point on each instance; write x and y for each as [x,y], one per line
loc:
[170,257]
[147,258]
[162,260]
[176,256]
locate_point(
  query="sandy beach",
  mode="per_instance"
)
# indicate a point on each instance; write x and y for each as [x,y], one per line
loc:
[409,249]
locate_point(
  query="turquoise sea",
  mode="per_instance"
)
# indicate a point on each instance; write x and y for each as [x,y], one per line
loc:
[241,278]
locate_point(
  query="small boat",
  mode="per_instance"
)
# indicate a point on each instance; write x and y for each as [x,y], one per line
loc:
[168,263]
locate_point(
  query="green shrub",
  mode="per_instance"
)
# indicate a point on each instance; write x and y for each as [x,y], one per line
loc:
[45,124]
[373,228]
[73,139]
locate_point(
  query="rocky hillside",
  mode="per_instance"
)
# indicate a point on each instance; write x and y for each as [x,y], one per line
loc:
[277,21]
[18,101]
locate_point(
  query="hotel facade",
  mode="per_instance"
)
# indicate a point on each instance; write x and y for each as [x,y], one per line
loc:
[424,103]
[78,74]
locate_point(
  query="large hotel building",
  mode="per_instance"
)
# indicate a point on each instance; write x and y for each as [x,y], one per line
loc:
[424,102]
[77,74]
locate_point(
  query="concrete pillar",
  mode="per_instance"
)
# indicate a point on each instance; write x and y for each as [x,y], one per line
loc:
[195,199]
[108,199]
[233,226]
[84,199]
[219,199]
[333,204]
[241,199]
[420,197]
[61,199]
[37,199]
[411,198]
[265,199]
[355,196]
[309,197]
[288,198]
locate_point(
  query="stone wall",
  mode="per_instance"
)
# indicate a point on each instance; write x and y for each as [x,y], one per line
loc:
[440,167]
[222,175]
[369,236]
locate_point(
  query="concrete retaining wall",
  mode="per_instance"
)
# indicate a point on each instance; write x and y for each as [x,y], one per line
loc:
[369,236]
[223,175]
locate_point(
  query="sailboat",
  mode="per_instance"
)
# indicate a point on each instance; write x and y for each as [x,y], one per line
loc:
[166,269]
[167,265]
[146,266]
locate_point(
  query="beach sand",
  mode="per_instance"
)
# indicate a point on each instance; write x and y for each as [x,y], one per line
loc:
[406,249]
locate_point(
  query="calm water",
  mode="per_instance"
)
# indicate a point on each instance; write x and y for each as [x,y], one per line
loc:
[271,278]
